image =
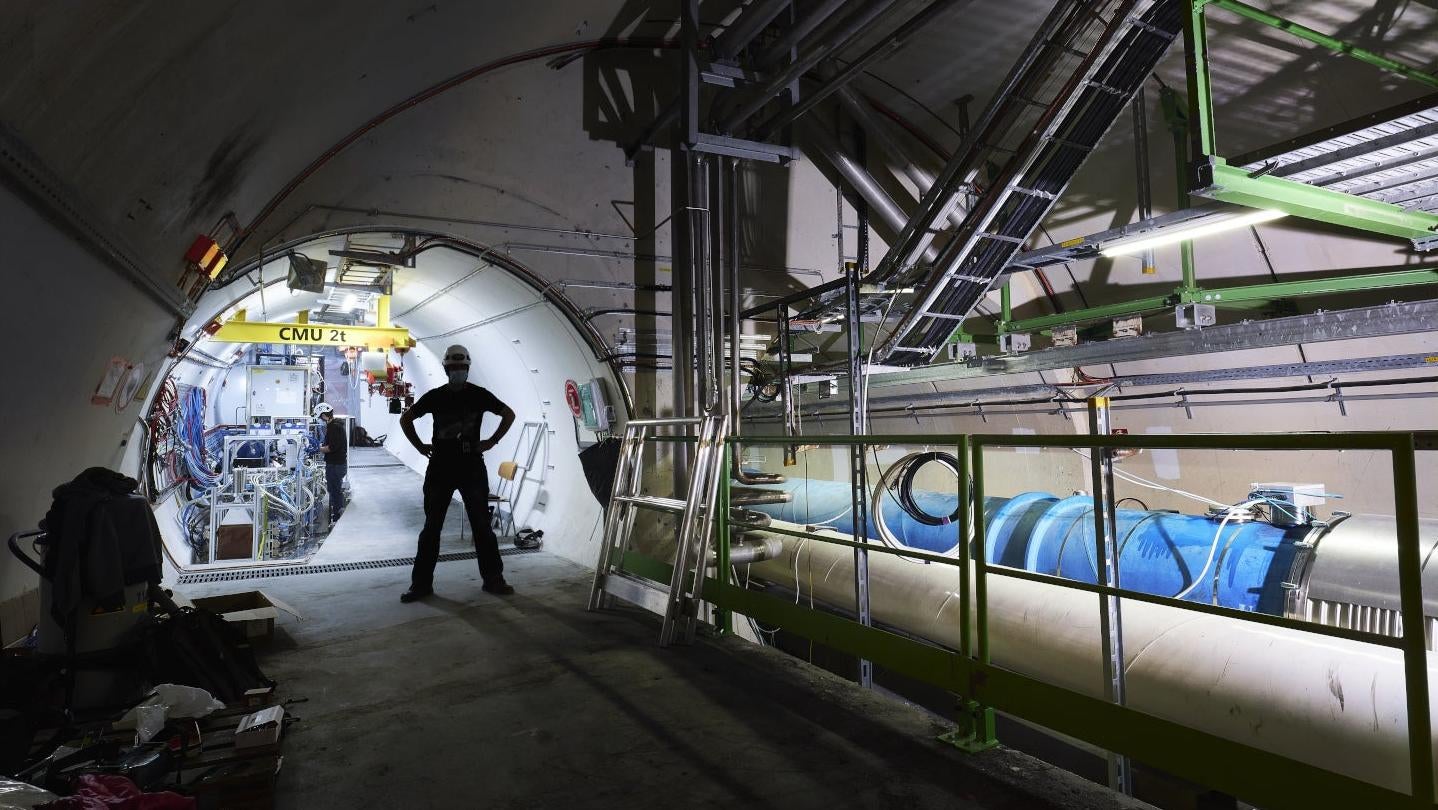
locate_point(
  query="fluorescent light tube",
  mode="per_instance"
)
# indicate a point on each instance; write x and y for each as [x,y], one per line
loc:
[1169,236]
[350,301]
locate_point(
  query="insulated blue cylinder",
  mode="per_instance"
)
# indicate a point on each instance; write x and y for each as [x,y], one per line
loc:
[1237,565]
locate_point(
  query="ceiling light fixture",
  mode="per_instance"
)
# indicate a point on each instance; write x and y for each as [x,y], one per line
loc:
[1184,233]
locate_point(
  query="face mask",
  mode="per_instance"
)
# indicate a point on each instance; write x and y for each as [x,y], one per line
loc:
[458,376]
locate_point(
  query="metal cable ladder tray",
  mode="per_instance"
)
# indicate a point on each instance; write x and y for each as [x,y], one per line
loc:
[1074,80]
[679,603]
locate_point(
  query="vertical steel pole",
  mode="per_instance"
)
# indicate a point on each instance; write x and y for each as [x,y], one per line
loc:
[1120,771]
[1200,121]
[967,510]
[981,557]
[980,717]
[858,475]
[786,386]
[724,619]
[682,193]
[1415,642]
[1139,108]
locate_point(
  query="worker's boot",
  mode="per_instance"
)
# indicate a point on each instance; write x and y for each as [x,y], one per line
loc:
[413,595]
[498,587]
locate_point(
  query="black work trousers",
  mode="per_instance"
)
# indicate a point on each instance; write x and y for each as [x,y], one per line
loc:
[444,475]
[335,482]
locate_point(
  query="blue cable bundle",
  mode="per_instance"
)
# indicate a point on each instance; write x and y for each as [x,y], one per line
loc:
[192,436]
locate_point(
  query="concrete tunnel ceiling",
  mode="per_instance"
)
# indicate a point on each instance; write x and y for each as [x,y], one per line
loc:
[450,112]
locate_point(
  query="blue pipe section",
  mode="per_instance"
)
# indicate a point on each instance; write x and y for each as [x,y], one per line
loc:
[1159,552]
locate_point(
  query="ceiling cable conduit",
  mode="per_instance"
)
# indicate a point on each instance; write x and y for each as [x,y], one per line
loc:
[1182,398]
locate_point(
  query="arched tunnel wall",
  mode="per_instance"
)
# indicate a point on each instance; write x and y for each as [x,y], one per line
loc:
[71,313]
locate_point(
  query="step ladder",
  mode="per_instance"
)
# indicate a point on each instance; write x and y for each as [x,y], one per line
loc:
[678,603]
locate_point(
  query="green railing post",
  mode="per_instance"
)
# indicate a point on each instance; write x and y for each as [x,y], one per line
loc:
[966,513]
[1415,642]
[976,720]
[1006,306]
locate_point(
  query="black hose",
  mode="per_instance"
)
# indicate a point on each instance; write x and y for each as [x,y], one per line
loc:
[906,487]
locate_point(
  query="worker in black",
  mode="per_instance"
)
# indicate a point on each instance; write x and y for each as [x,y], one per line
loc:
[456,462]
[336,450]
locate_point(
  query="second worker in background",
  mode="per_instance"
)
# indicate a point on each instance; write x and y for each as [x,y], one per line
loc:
[456,462]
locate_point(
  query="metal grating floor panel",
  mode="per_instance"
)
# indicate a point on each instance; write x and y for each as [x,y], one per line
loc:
[1390,156]
[240,574]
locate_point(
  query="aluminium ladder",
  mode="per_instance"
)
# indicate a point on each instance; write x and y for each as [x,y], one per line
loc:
[679,603]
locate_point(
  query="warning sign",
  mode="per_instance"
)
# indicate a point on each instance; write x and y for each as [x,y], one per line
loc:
[571,396]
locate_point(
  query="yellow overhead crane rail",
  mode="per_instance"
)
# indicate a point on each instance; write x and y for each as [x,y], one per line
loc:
[303,333]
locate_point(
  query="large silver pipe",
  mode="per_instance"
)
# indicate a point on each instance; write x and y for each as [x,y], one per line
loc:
[1349,577]
[752,549]
[921,177]
[881,205]
[1333,703]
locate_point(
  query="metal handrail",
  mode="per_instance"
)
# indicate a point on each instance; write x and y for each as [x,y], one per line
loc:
[1401,446]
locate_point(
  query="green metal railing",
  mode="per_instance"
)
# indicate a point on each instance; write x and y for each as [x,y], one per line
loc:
[1255,775]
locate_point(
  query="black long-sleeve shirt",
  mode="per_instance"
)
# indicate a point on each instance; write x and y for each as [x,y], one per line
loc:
[337,442]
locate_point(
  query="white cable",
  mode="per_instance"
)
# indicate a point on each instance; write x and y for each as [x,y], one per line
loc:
[1144,482]
[1213,547]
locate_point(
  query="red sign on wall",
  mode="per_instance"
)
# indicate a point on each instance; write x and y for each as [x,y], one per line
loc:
[571,396]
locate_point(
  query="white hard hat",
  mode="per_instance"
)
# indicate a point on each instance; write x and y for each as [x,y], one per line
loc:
[323,408]
[456,355]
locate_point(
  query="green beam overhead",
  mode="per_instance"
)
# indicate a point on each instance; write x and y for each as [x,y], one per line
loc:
[1319,38]
[1320,286]
[1217,180]
[1098,313]
[1234,297]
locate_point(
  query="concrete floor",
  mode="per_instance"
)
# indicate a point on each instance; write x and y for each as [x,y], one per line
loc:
[385,513]
[469,700]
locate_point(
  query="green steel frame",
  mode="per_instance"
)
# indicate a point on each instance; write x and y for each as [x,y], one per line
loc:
[1215,179]
[1258,776]
[1245,296]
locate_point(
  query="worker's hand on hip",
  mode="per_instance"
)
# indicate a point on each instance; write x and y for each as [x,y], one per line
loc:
[425,450]
[487,445]
[324,448]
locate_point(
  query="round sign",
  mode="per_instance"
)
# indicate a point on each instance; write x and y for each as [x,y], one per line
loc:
[571,395]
